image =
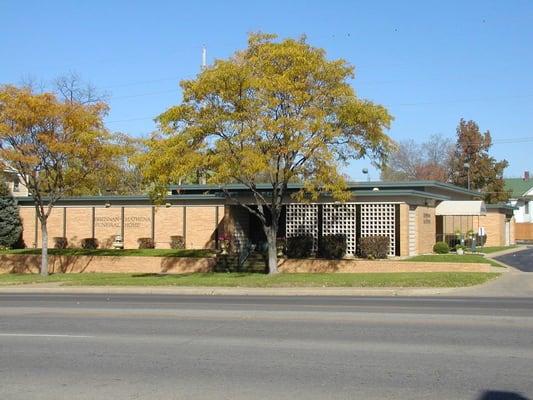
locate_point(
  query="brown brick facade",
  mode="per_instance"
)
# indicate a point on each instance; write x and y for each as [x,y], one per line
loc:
[200,227]
[425,229]
[137,224]
[104,223]
[168,222]
[201,224]
[498,227]
[107,224]
[494,224]
[78,224]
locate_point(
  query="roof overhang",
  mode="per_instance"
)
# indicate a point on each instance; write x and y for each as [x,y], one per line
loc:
[461,207]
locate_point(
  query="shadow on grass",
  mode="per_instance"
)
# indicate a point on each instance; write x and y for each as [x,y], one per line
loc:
[231,275]
[193,253]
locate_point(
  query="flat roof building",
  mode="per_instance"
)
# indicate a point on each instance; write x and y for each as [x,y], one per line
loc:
[406,212]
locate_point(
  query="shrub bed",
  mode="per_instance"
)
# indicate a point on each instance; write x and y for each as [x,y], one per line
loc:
[89,243]
[374,246]
[60,242]
[332,246]
[177,242]
[441,248]
[300,246]
[146,243]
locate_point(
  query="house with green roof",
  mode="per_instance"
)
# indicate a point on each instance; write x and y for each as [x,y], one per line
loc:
[521,197]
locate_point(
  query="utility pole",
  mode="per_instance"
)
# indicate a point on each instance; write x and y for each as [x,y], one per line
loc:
[204,58]
[467,166]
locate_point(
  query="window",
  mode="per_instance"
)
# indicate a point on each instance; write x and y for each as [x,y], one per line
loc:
[526,208]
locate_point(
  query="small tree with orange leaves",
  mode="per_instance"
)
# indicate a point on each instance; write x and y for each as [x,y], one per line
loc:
[56,146]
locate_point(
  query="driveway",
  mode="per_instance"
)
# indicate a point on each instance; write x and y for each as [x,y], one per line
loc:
[522,260]
[516,281]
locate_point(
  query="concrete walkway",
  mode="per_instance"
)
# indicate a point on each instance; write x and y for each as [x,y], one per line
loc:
[513,282]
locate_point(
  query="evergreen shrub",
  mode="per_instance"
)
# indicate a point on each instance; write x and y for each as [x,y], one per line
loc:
[300,246]
[374,246]
[146,243]
[89,243]
[332,246]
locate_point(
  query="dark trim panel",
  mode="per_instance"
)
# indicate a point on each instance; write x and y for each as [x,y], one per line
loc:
[397,232]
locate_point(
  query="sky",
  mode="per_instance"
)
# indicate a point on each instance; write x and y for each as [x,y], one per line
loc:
[429,62]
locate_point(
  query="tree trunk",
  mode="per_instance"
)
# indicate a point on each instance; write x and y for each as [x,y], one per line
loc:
[271,233]
[44,249]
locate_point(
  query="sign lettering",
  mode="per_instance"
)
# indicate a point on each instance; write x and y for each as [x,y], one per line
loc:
[129,222]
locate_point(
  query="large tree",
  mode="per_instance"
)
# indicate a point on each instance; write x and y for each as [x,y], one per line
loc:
[277,109]
[54,145]
[409,160]
[120,175]
[472,165]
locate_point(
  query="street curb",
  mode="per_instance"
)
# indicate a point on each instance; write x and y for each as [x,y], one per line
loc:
[224,291]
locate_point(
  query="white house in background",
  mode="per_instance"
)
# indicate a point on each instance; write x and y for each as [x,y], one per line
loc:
[521,197]
[14,183]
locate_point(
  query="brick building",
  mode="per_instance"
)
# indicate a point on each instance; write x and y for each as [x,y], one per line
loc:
[405,211]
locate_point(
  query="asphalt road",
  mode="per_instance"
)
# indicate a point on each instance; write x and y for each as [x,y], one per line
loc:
[188,347]
[522,260]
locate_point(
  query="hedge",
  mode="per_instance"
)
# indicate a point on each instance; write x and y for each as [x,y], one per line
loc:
[332,246]
[300,246]
[374,246]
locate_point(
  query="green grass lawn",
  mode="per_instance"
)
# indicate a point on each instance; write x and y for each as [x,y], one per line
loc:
[454,258]
[117,252]
[493,249]
[409,279]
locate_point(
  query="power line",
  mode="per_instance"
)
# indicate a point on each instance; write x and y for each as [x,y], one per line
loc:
[144,94]
[130,119]
[141,82]
[480,99]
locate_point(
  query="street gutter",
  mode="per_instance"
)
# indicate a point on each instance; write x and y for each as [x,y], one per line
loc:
[228,291]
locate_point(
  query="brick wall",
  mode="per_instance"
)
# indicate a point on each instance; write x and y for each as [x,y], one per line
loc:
[200,227]
[201,224]
[16,263]
[168,222]
[425,229]
[383,266]
[494,224]
[512,234]
[27,215]
[107,224]
[137,224]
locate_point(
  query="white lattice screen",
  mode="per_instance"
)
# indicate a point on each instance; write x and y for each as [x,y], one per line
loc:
[302,219]
[341,219]
[377,220]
